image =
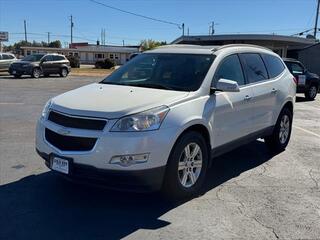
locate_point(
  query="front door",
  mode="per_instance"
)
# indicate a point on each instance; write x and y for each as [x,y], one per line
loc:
[47,64]
[232,118]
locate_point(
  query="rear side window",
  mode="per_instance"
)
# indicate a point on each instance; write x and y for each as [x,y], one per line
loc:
[7,56]
[254,67]
[230,69]
[58,58]
[48,58]
[274,65]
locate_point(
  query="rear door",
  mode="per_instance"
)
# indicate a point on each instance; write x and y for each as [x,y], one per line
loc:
[58,62]
[7,59]
[1,63]
[264,91]
[232,117]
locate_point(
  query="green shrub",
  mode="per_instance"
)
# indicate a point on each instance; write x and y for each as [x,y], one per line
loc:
[106,64]
[74,61]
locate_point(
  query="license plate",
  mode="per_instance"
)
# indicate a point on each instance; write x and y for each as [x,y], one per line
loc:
[60,165]
[14,72]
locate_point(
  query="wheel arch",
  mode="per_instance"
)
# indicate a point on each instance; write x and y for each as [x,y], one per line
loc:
[196,127]
[289,105]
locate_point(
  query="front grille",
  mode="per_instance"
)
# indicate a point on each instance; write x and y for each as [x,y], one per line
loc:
[76,122]
[69,143]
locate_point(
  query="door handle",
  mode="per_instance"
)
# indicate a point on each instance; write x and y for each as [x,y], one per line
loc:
[247,98]
[274,90]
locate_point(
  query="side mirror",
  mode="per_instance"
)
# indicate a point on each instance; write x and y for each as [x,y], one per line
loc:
[226,86]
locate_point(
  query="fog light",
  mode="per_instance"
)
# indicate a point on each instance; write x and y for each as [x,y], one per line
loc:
[127,160]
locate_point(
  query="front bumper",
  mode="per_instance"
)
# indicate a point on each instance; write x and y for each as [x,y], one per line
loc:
[94,165]
[148,180]
[18,70]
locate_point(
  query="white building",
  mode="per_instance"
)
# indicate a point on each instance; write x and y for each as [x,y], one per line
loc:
[88,53]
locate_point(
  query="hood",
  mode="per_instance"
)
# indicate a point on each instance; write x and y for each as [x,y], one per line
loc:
[312,75]
[24,62]
[113,101]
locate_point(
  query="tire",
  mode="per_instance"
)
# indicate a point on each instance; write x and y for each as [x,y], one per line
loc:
[311,92]
[63,72]
[17,75]
[186,182]
[36,73]
[279,139]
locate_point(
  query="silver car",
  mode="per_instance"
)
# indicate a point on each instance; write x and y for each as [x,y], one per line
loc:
[5,60]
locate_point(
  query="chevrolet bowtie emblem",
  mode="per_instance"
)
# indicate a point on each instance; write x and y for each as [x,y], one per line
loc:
[63,131]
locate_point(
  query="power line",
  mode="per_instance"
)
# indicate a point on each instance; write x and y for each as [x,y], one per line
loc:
[138,15]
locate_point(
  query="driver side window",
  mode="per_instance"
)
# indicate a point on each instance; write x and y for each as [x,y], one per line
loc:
[230,69]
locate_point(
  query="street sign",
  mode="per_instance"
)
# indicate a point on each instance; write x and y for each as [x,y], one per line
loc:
[4,36]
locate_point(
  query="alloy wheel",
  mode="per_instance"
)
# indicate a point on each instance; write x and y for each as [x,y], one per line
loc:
[284,129]
[190,165]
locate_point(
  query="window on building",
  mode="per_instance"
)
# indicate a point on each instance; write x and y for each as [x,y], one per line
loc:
[274,65]
[28,52]
[116,56]
[99,55]
[230,69]
[254,67]
[76,54]
[111,56]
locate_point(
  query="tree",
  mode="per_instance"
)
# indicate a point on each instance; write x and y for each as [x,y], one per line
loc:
[55,44]
[148,44]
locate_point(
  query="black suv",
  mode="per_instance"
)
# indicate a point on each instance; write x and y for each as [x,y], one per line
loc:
[307,82]
[41,64]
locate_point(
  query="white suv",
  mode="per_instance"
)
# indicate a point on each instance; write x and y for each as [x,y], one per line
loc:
[158,121]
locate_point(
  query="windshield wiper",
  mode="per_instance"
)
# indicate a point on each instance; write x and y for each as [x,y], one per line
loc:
[151,85]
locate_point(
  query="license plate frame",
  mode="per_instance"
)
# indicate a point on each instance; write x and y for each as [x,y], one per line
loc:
[60,165]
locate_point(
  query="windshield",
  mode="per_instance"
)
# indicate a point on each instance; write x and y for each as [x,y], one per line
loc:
[179,72]
[33,58]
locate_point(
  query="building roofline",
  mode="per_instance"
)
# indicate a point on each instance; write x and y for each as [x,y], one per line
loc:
[261,37]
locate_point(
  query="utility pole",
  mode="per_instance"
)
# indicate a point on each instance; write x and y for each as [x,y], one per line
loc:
[188,32]
[48,37]
[71,28]
[123,43]
[182,29]
[316,23]
[25,30]
[211,28]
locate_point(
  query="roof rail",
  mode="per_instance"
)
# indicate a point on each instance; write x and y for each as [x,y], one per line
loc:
[242,45]
[192,46]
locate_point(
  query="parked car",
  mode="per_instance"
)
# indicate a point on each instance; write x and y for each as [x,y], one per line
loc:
[159,120]
[307,82]
[5,60]
[41,64]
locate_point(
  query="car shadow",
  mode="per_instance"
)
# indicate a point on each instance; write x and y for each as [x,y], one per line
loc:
[46,206]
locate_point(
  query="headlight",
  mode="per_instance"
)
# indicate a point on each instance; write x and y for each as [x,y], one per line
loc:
[46,109]
[144,121]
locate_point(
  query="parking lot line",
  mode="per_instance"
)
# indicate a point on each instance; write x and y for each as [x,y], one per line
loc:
[11,103]
[307,131]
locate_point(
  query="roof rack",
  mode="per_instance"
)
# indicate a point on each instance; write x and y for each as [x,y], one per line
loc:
[191,46]
[242,45]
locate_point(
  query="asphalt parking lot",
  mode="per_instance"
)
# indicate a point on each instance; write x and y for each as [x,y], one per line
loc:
[250,194]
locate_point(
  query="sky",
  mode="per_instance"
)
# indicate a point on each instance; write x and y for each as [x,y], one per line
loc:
[285,17]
